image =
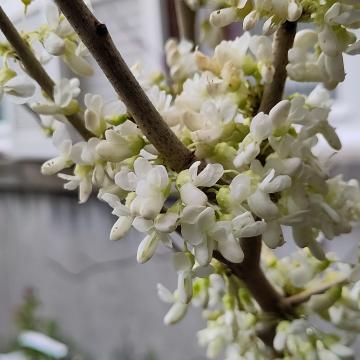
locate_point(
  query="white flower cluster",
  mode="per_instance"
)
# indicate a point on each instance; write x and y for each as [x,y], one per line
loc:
[317,55]
[256,173]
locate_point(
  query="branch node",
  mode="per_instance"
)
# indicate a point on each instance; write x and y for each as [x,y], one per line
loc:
[101,30]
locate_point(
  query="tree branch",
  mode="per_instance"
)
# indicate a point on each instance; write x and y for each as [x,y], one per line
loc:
[99,42]
[250,272]
[283,42]
[186,19]
[35,69]
[305,295]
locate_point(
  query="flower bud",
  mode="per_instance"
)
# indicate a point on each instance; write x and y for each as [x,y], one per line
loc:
[250,20]
[223,17]
[147,248]
[176,313]
[121,227]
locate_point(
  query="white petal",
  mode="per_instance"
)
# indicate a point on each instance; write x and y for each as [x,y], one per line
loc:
[279,114]
[231,250]
[121,227]
[54,45]
[142,225]
[46,109]
[203,253]
[20,89]
[52,15]
[261,205]
[261,127]
[166,223]
[223,17]
[316,250]
[209,176]
[202,271]
[192,234]
[185,287]
[92,121]
[126,179]
[53,166]
[191,195]
[62,93]
[273,236]
[240,188]
[78,65]
[246,155]
[279,183]
[164,294]
[176,313]
[150,207]
[147,248]
[254,229]
[191,214]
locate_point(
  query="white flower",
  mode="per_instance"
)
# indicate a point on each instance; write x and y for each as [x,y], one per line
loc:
[18,89]
[249,149]
[59,42]
[178,309]
[197,224]
[223,17]
[207,125]
[208,177]
[257,198]
[261,47]
[123,224]
[184,263]
[121,142]
[180,59]
[53,166]
[150,182]
[64,93]
[227,244]
[157,230]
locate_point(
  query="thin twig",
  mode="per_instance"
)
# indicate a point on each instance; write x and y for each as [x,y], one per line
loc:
[305,295]
[186,20]
[283,42]
[35,69]
[96,37]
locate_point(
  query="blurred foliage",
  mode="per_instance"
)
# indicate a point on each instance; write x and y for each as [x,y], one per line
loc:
[27,318]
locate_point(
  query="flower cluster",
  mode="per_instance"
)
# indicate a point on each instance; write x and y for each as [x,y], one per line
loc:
[255,173]
[317,55]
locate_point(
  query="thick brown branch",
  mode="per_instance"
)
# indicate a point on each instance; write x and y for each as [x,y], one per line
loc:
[283,42]
[186,19]
[99,42]
[250,272]
[35,69]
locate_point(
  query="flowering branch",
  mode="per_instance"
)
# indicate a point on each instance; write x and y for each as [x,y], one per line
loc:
[96,37]
[186,20]
[249,270]
[283,42]
[35,69]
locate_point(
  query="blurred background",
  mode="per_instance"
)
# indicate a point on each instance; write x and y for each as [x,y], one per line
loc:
[92,287]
